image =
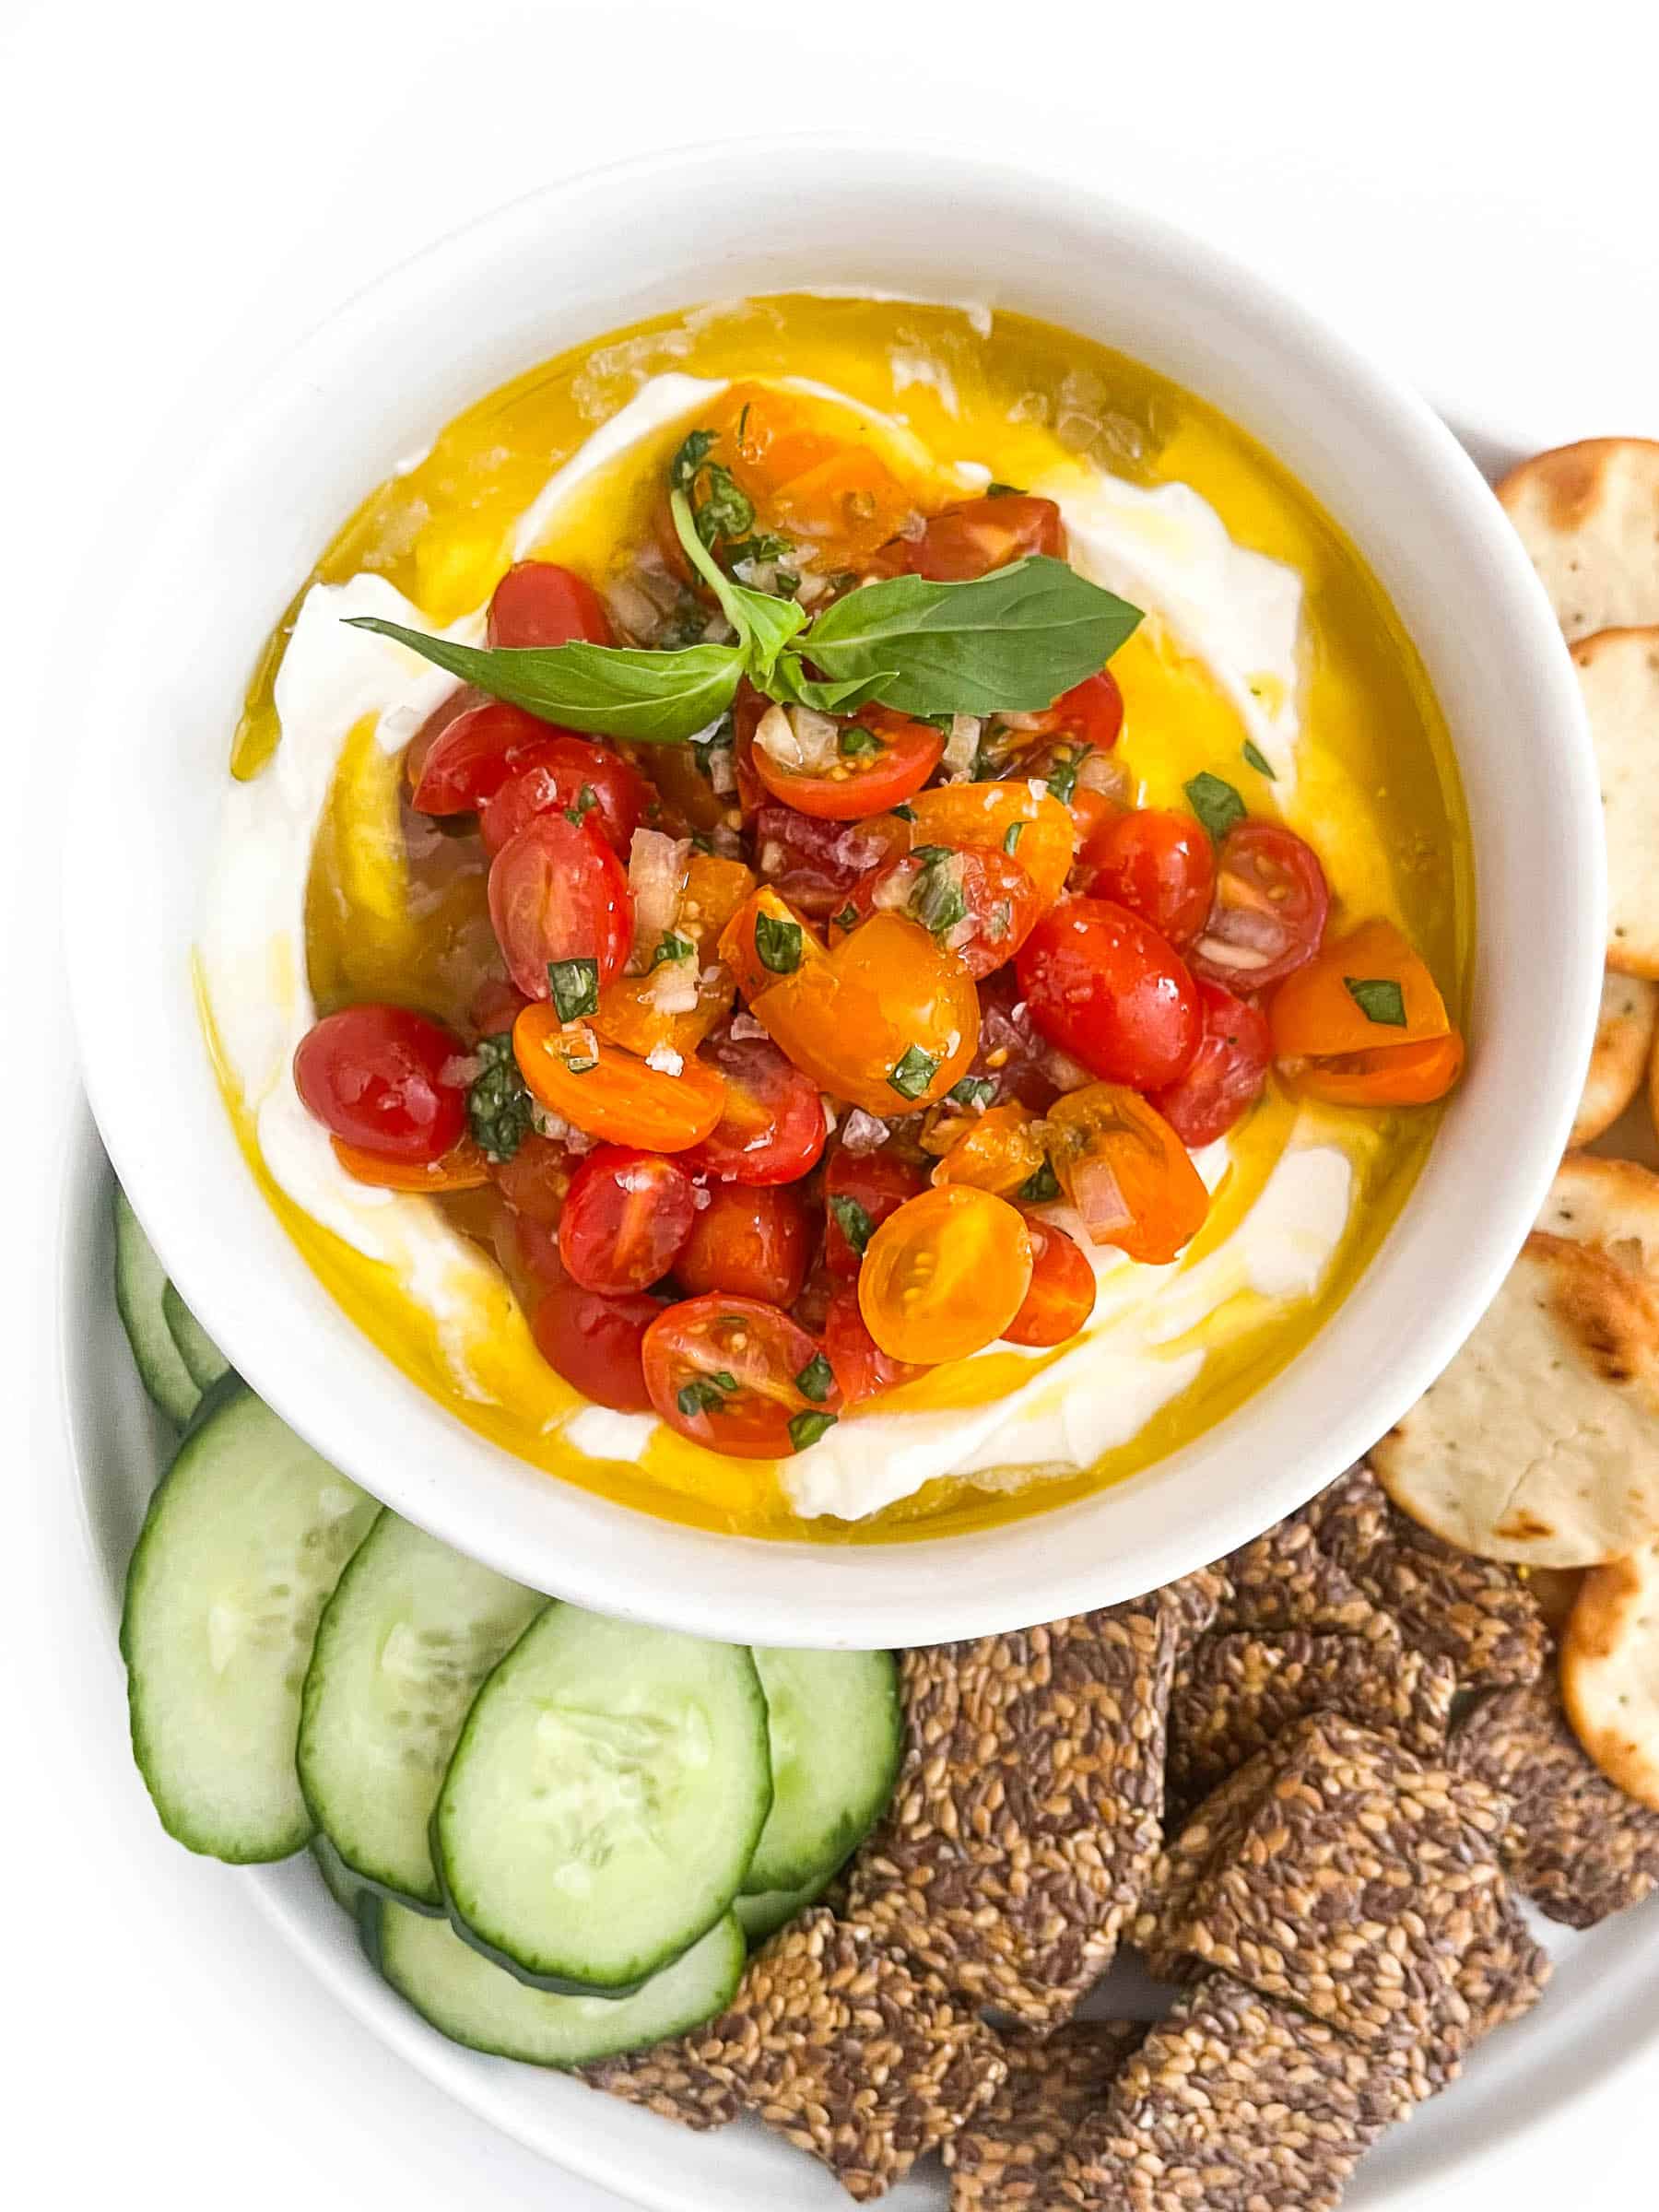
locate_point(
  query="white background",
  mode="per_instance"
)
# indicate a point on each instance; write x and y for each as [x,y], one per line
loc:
[1469,189]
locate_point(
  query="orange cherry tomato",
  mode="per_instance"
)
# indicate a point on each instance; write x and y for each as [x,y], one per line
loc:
[974,536]
[1062,1296]
[979,904]
[715,888]
[766,942]
[738,1375]
[1031,826]
[945,1275]
[610,1093]
[463,1167]
[1331,1006]
[1399,1075]
[997,1150]
[862,1368]
[534,1180]
[807,476]
[749,1242]
[1126,1172]
[630,1016]
[885,759]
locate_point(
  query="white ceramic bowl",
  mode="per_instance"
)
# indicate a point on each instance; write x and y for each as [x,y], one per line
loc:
[164,679]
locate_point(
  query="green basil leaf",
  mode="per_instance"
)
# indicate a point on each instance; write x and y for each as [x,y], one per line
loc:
[1011,837]
[973,1090]
[853,1221]
[1062,776]
[1012,640]
[816,1379]
[856,740]
[1217,805]
[670,948]
[790,683]
[995,490]
[1258,761]
[1042,1187]
[914,1071]
[764,625]
[806,1428]
[778,944]
[703,1395]
[682,473]
[939,903]
[499,1112]
[604,690]
[725,510]
[1378,998]
[575,987]
[847,918]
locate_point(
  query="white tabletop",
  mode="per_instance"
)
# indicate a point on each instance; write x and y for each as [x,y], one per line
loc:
[186,184]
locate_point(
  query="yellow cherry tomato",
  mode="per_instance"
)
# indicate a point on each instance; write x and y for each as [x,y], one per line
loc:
[610,1093]
[945,1275]
[997,1150]
[1010,817]
[1126,1172]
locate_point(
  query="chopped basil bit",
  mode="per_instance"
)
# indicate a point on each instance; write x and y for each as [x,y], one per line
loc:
[905,813]
[987,758]
[1062,776]
[725,511]
[816,1379]
[847,918]
[939,903]
[995,490]
[690,458]
[580,1067]
[1011,837]
[778,944]
[1041,1188]
[723,1378]
[1217,805]
[764,545]
[915,1070]
[853,1221]
[670,948]
[930,852]
[702,1396]
[942,723]
[499,1112]
[856,740]
[787,582]
[973,1090]
[1258,761]
[585,803]
[806,1428]
[575,987]
[844,580]
[1378,998]
[700,843]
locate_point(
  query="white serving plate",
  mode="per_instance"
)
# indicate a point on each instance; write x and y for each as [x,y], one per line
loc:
[1599,2017]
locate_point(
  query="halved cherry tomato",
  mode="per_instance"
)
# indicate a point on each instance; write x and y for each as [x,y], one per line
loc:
[997,1150]
[376,1076]
[728,1373]
[715,888]
[1330,1005]
[462,1168]
[814,864]
[1269,911]
[534,1180]
[1062,1296]
[945,1275]
[1126,1172]
[557,893]
[792,455]
[626,1219]
[566,774]
[1031,827]
[978,904]
[476,754]
[749,1243]
[595,1343]
[771,1129]
[885,759]
[1091,711]
[1227,1074]
[1400,1075]
[611,1093]
[631,1013]
[861,1189]
[527,1253]
[461,701]
[765,942]
[539,603]
[1161,864]
[862,1368]
[1107,989]
[974,536]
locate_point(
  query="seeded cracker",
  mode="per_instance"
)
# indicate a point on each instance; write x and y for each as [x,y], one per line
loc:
[850,2053]
[1287,1580]
[1029,1807]
[667,2079]
[1576,1844]
[1006,2157]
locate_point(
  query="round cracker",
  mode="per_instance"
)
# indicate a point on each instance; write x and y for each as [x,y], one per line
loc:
[1610,1672]
[1540,1442]
[1612,1204]
[1625,1031]
[1619,675]
[1588,515]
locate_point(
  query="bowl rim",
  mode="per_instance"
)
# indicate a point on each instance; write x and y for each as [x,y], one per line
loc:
[377,1425]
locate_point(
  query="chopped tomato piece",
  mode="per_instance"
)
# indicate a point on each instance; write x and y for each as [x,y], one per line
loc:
[1160,864]
[997,1150]
[468,762]
[882,759]
[715,888]
[626,1219]
[539,603]
[1106,988]
[749,1243]
[738,1375]
[814,864]
[979,904]
[1400,1075]
[1126,1172]
[1227,1074]
[557,893]
[974,536]
[568,776]
[595,1343]
[861,1189]
[535,1179]
[1031,827]
[1365,992]
[463,1167]
[1269,909]
[771,1129]
[1062,1296]
[945,1275]
[862,1368]
[609,1092]
[766,941]
[378,1078]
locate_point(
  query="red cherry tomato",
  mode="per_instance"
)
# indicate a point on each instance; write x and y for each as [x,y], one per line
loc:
[771,1129]
[1227,1074]
[567,774]
[861,1189]
[375,1077]
[626,1219]
[534,1180]
[1269,911]
[595,1343]
[538,603]
[977,536]
[1161,865]
[727,1372]
[814,864]
[886,758]
[978,904]
[528,1253]
[1107,989]
[1062,1296]
[749,1243]
[557,893]
[469,764]
[1091,712]
[862,1368]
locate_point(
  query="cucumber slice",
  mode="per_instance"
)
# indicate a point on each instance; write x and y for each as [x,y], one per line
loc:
[343,1885]
[243,1542]
[469,2000]
[764,1913]
[604,1800]
[404,1641]
[205,1363]
[140,1285]
[837,1729]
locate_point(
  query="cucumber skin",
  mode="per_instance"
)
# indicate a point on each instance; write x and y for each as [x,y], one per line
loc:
[761,1913]
[205,1363]
[817,1871]
[171,1388]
